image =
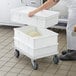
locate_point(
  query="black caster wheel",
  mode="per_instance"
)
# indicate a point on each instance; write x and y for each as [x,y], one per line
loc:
[34,65]
[17,53]
[64,52]
[55,59]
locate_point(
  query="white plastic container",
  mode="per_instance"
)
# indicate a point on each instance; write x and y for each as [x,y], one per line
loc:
[36,47]
[34,54]
[47,37]
[43,19]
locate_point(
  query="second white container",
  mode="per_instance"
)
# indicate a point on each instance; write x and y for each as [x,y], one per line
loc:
[34,54]
[42,19]
[47,37]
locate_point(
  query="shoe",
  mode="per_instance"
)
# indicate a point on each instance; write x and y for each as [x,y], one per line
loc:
[67,51]
[68,56]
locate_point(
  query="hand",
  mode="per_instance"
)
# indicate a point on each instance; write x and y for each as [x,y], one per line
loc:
[31,14]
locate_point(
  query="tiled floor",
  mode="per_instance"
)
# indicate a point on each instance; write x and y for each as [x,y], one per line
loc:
[11,66]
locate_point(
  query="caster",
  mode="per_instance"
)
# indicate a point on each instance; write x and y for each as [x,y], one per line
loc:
[55,59]
[66,51]
[34,65]
[17,53]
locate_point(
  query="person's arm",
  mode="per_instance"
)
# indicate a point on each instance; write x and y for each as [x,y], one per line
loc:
[46,5]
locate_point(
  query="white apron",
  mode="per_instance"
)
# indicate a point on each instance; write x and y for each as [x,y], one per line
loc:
[67,9]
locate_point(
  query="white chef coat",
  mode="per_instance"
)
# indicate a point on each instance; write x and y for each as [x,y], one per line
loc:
[71,41]
[70,3]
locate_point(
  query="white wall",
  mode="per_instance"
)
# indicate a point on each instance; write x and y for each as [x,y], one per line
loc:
[62,8]
[5,7]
